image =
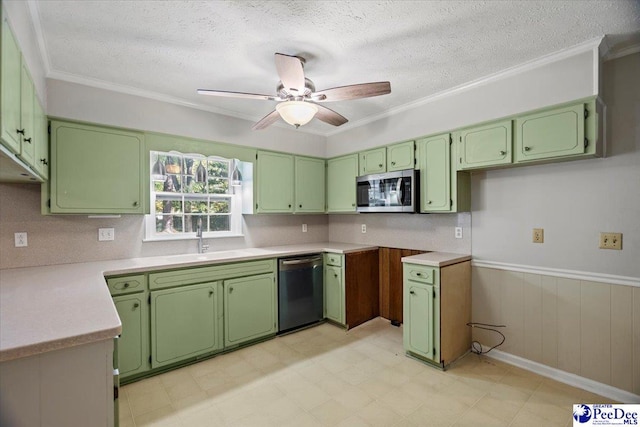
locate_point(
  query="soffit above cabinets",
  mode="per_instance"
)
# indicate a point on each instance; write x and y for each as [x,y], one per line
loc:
[166,50]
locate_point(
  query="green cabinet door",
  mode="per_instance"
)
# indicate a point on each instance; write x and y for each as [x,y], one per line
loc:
[434,162]
[401,156]
[11,69]
[553,133]
[185,322]
[484,146]
[27,96]
[96,169]
[41,140]
[373,161]
[250,309]
[133,344]
[419,316]
[274,182]
[334,294]
[310,185]
[341,184]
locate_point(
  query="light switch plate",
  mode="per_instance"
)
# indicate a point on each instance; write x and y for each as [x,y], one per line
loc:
[106,234]
[21,240]
[611,241]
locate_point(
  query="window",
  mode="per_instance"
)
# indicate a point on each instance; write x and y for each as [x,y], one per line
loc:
[191,190]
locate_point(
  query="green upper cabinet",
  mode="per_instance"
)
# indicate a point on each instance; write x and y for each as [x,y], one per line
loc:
[41,141]
[10,71]
[373,161]
[548,134]
[250,310]
[401,156]
[274,182]
[309,185]
[341,184]
[96,169]
[27,120]
[434,162]
[483,146]
[133,344]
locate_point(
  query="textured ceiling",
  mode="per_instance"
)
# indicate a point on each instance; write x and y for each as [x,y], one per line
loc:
[172,48]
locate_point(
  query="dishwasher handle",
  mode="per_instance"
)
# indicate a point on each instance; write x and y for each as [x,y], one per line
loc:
[300,261]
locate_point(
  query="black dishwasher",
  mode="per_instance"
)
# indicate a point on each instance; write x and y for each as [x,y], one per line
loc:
[300,292]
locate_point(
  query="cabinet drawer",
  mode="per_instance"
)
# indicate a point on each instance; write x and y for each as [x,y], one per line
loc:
[126,285]
[333,259]
[190,276]
[420,274]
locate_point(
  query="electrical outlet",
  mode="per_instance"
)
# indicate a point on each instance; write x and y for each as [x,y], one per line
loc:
[458,232]
[106,234]
[611,241]
[304,228]
[364,228]
[538,235]
[21,240]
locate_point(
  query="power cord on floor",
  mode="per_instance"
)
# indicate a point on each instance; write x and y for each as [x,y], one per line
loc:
[476,347]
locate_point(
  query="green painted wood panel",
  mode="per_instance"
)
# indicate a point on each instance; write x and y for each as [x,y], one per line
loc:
[341,184]
[373,161]
[274,185]
[334,293]
[401,156]
[185,322]
[419,316]
[310,185]
[10,71]
[554,133]
[250,309]
[435,173]
[28,145]
[133,344]
[486,145]
[42,141]
[96,169]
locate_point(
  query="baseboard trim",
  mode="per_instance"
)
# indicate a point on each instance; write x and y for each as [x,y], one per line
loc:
[565,377]
[611,279]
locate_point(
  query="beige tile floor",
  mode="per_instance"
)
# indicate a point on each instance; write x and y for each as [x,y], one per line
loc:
[325,376]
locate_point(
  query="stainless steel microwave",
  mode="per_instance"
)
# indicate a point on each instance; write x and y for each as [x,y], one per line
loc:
[388,192]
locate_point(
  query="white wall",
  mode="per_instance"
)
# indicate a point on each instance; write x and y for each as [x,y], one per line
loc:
[572,201]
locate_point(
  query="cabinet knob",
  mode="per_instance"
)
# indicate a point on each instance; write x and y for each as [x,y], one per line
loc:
[20,131]
[412,293]
[289,205]
[353,205]
[230,289]
[135,204]
[380,165]
[527,148]
[44,161]
[136,305]
[393,163]
[502,153]
[126,285]
[429,202]
[28,140]
[210,293]
[300,205]
[419,274]
[335,274]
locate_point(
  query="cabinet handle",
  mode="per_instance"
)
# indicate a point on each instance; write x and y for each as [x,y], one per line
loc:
[230,289]
[392,163]
[419,274]
[44,161]
[136,305]
[502,153]
[126,285]
[135,204]
[527,148]
[28,140]
[380,165]
[20,131]
[412,293]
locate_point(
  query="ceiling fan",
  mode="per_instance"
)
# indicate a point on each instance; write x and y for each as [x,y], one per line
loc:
[297,96]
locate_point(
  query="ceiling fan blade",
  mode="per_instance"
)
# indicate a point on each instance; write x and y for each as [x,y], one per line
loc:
[291,72]
[237,94]
[363,90]
[267,120]
[327,115]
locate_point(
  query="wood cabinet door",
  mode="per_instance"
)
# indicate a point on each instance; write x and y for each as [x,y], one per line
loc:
[249,308]
[96,169]
[419,321]
[333,294]
[27,122]
[401,156]
[554,133]
[310,185]
[133,344]
[484,146]
[274,182]
[373,161]
[435,173]
[341,184]
[11,63]
[184,323]
[41,140]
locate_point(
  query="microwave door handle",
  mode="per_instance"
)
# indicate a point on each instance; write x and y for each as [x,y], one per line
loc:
[400,187]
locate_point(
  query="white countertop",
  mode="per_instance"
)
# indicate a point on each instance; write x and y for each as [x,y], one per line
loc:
[436,259]
[59,306]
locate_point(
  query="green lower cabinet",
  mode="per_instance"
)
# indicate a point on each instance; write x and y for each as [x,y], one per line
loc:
[341,184]
[334,296]
[133,344]
[421,312]
[484,146]
[185,322]
[250,309]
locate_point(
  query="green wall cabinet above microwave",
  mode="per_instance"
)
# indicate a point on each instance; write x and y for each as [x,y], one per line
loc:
[96,170]
[373,161]
[391,158]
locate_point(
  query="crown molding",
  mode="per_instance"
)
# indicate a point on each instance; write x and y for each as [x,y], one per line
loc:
[619,53]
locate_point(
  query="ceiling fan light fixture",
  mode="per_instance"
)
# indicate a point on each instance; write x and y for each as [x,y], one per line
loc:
[297,113]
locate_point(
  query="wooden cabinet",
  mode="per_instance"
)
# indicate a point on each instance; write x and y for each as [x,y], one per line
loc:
[185,322]
[10,73]
[391,281]
[309,185]
[373,161]
[341,184]
[437,308]
[274,186]
[552,133]
[250,309]
[442,188]
[401,156]
[334,288]
[483,146]
[96,169]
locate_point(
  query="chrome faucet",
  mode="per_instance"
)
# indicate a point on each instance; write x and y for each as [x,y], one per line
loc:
[201,248]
